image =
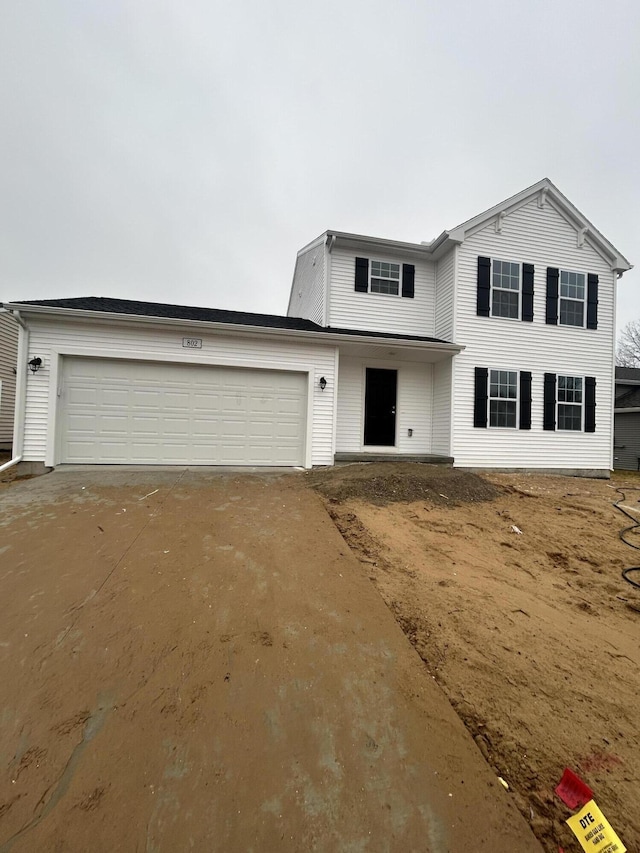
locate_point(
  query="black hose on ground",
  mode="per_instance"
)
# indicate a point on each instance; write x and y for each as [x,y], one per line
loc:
[634,526]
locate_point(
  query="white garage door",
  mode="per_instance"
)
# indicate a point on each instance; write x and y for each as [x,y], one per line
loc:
[136,412]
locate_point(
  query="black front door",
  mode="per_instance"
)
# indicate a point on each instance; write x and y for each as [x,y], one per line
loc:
[380,407]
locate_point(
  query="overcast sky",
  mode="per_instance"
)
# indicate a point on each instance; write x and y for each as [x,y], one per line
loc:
[184,151]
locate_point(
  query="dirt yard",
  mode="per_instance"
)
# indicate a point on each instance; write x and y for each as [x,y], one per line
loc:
[193,660]
[510,589]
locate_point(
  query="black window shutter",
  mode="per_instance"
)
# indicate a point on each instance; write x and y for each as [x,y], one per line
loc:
[589,404]
[553,275]
[592,301]
[408,279]
[549,413]
[480,397]
[362,275]
[527,292]
[525,399]
[484,287]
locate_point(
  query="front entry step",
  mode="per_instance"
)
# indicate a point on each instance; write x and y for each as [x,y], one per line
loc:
[425,458]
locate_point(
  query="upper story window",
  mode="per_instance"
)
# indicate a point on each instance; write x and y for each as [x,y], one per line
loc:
[572,298]
[385,278]
[505,289]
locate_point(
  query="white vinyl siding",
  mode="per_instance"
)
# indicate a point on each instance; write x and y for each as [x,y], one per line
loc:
[164,344]
[542,237]
[308,291]
[378,312]
[445,273]
[413,407]
[441,417]
[8,359]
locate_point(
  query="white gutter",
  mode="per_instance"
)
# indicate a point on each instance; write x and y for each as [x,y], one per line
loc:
[241,329]
[630,409]
[21,394]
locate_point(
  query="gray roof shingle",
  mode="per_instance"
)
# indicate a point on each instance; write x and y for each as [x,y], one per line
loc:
[207,315]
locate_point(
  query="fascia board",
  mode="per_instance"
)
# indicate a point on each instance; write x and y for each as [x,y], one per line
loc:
[617,259]
[313,244]
[562,204]
[331,338]
[512,202]
[363,240]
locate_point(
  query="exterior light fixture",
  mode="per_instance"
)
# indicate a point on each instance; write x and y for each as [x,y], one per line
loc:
[322,383]
[35,364]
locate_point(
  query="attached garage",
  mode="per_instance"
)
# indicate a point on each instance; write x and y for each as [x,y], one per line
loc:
[118,411]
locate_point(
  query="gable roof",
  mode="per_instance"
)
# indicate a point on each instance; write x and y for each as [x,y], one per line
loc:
[545,191]
[99,305]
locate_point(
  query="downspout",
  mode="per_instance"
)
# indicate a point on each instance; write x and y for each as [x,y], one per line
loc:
[21,394]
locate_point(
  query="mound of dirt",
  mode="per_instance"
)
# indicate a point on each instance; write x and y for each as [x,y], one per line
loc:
[382,483]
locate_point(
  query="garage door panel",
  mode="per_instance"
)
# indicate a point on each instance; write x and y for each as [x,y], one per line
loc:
[140,412]
[114,398]
[84,396]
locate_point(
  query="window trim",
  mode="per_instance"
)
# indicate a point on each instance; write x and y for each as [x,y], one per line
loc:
[515,400]
[504,289]
[398,264]
[559,403]
[584,300]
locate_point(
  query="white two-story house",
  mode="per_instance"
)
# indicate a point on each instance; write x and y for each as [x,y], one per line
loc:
[527,290]
[491,346]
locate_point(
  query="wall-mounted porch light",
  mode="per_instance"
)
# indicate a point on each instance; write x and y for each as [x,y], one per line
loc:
[35,364]
[322,383]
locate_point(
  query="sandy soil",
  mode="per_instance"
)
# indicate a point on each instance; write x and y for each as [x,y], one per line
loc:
[510,588]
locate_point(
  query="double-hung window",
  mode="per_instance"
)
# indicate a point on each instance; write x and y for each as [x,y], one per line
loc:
[505,289]
[503,398]
[572,297]
[569,403]
[385,278]
[570,399]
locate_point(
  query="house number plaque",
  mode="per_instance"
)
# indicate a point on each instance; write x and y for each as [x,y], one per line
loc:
[192,343]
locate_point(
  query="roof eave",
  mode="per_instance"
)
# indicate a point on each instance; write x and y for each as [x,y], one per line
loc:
[236,328]
[619,263]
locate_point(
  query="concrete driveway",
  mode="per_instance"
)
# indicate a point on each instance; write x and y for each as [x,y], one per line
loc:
[196,661]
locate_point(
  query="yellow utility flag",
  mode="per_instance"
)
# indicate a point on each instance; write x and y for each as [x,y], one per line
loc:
[594,832]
